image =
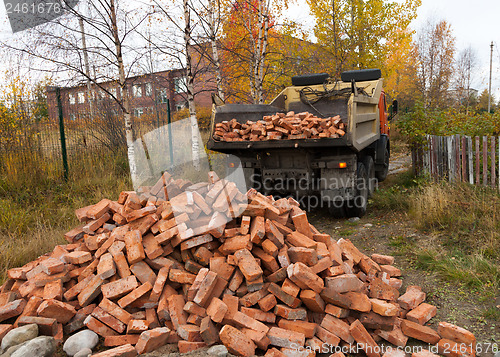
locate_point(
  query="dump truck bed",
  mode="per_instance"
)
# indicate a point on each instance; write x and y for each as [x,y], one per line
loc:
[358,111]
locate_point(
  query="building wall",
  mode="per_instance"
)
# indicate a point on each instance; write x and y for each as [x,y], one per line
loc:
[148,94]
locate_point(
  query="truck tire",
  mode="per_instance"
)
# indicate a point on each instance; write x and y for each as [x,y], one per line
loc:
[381,175]
[370,169]
[337,211]
[357,206]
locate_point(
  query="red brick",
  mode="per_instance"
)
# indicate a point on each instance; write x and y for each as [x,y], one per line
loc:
[390,270]
[349,250]
[143,272]
[115,310]
[90,291]
[52,266]
[419,332]
[384,308]
[380,290]
[374,321]
[298,239]
[188,346]
[413,297]
[53,290]
[196,241]
[286,338]
[326,336]
[344,283]
[98,209]
[46,326]
[189,333]
[259,315]
[267,303]
[180,276]
[122,351]
[291,301]
[290,288]
[273,352]
[312,300]
[108,319]
[4,329]
[113,341]
[383,259]
[364,339]
[455,333]
[283,257]
[396,336]
[322,265]
[135,294]
[232,303]
[104,247]
[301,224]
[289,313]
[236,341]
[304,277]
[135,249]
[338,327]
[205,289]
[216,310]
[336,311]
[422,313]
[77,322]
[176,308]
[274,234]
[455,349]
[307,328]
[119,288]
[78,257]
[208,331]
[137,326]
[246,321]
[394,352]
[61,311]
[160,281]
[268,261]
[106,267]
[98,327]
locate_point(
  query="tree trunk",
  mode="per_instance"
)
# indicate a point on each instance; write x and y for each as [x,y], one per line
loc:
[129,134]
[215,51]
[190,88]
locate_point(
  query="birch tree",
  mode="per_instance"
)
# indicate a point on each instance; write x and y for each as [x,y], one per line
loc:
[466,67]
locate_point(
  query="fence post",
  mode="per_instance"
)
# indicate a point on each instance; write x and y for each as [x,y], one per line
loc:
[170,141]
[493,168]
[471,161]
[464,166]
[449,147]
[62,135]
[477,161]
[485,161]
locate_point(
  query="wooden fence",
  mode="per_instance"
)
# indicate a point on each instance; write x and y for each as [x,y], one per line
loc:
[475,160]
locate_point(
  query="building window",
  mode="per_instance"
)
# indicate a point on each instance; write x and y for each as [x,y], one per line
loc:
[137,90]
[163,97]
[138,112]
[180,84]
[72,99]
[149,89]
[72,117]
[81,97]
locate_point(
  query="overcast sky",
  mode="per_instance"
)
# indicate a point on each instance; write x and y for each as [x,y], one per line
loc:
[474,23]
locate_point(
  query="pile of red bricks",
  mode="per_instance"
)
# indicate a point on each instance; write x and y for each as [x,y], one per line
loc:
[171,264]
[281,127]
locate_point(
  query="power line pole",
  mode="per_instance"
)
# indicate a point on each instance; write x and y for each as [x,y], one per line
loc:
[491,69]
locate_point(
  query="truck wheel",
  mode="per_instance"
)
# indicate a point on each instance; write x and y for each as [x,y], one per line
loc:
[337,211]
[357,206]
[370,169]
[382,174]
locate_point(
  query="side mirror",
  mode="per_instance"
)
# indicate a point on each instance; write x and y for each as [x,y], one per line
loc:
[395,107]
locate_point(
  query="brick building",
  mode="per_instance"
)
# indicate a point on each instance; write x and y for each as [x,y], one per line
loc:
[149,95]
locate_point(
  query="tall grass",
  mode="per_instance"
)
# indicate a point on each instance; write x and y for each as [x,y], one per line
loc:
[462,240]
[35,213]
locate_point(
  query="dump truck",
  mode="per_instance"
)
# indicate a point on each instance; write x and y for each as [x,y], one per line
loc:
[335,172]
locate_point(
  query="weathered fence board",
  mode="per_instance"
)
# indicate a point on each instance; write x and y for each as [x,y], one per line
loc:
[461,159]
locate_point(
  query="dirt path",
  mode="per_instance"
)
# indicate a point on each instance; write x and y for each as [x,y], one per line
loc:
[384,234]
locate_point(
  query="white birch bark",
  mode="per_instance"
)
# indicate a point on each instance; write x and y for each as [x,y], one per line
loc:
[215,50]
[129,134]
[190,87]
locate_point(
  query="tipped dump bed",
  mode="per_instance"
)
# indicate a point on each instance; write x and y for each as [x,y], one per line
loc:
[359,112]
